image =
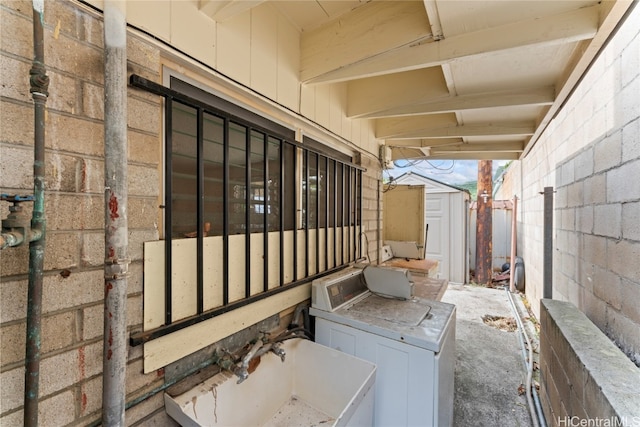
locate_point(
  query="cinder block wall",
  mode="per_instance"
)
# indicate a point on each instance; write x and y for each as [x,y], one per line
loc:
[71,366]
[584,376]
[590,154]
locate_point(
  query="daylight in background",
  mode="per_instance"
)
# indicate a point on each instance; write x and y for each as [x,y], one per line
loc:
[460,173]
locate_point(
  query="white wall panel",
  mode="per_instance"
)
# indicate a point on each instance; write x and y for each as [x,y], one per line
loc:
[154,18]
[264,50]
[323,105]
[288,76]
[308,101]
[192,31]
[338,107]
[233,54]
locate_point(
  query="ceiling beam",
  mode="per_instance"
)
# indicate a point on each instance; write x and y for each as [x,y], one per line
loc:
[567,27]
[382,93]
[431,8]
[423,142]
[417,154]
[400,107]
[505,147]
[490,155]
[367,31]
[223,10]
[419,128]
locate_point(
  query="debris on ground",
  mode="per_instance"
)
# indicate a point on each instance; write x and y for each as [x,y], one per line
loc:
[500,322]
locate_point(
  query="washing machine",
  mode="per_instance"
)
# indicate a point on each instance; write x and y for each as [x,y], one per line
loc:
[371,313]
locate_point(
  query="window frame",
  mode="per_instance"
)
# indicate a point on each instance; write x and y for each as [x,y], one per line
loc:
[352,220]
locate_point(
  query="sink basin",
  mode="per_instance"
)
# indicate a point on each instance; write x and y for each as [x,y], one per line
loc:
[315,385]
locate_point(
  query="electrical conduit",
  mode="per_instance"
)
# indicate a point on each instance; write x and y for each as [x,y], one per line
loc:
[39,90]
[116,227]
[537,417]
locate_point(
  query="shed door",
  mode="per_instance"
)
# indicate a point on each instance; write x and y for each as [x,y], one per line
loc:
[437,218]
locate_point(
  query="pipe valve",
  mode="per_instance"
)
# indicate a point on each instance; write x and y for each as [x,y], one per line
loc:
[16,227]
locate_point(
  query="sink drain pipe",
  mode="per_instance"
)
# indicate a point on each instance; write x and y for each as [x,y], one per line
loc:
[535,410]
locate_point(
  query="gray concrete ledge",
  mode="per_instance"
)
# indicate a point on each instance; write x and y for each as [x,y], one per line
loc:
[583,373]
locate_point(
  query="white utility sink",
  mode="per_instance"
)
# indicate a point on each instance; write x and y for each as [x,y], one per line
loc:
[315,385]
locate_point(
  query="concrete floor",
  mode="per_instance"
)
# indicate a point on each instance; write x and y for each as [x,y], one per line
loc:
[489,366]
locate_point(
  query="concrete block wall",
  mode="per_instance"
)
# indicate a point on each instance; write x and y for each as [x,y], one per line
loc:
[585,378]
[71,365]
[590,154]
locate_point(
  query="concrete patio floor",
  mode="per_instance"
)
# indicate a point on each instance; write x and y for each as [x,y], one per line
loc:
[489,365]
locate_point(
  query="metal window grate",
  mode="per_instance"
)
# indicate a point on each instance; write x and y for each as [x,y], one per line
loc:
[265,199]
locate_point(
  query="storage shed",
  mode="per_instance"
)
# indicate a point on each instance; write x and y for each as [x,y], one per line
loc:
[445,215]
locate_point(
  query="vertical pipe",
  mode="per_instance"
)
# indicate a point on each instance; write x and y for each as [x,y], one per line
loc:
[116,226]
[514,240]
[39,86]
[547,274]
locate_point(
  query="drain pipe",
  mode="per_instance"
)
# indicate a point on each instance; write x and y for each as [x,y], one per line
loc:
[116,263]
[39,91]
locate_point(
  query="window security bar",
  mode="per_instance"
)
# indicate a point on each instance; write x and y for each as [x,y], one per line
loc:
[240,178]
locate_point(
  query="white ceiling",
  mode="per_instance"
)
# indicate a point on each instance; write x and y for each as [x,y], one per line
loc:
[471,79]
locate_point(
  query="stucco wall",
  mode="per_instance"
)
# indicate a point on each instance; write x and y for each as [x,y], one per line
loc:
[590,154]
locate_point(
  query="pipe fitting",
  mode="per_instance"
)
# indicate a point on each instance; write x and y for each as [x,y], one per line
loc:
[17,227]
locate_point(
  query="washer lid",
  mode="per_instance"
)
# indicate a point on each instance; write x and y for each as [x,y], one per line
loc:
[405,312]
[428,333]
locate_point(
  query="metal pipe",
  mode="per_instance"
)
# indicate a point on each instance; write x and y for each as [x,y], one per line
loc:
[547,274]
[514,240]
[528,366]
[116,226]
[39,82]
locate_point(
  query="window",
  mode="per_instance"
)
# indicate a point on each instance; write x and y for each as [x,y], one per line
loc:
[260,212]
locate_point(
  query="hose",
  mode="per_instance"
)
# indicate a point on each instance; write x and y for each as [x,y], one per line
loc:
[534,409]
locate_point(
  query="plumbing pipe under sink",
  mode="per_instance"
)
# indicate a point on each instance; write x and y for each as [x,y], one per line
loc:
[315,385]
